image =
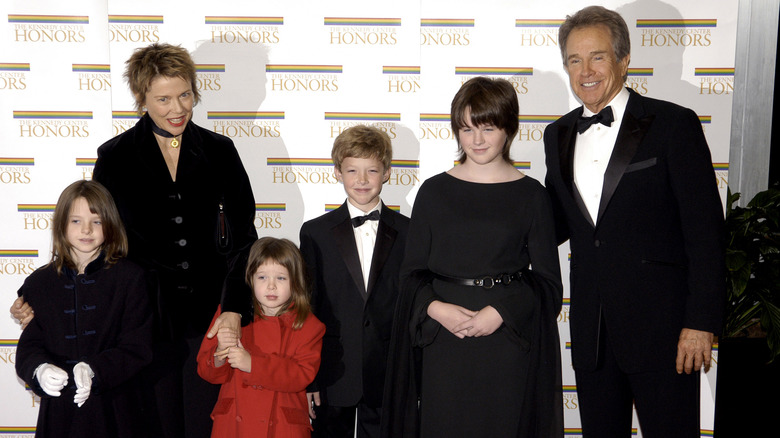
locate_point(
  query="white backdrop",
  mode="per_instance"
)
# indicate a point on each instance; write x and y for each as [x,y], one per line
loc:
[282,79]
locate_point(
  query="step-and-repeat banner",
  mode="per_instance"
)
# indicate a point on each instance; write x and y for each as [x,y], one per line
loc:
[282,79]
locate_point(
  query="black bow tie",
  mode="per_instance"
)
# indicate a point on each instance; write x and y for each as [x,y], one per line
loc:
[360,220]
[605,117]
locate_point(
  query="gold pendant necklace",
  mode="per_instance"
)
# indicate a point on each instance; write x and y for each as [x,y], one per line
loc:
[165,134]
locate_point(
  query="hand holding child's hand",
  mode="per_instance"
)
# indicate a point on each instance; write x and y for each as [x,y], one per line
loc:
[239,358]
[231,320]
[226,337]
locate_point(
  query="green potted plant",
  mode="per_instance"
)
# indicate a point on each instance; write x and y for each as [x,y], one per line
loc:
[750,344]
[753,269]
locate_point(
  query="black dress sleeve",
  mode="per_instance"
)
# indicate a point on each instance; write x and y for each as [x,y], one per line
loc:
[31,349]
[417,251]
[517,310]
[236,232]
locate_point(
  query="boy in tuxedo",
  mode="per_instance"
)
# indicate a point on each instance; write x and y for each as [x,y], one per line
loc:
[354,256]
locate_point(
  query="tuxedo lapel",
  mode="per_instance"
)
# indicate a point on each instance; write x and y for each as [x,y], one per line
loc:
[632,130]
[344,236]
[566,142]
[385,237]
[567,139]
[583,208]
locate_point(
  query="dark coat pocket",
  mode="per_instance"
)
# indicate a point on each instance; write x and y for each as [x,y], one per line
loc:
[663,263]
[639,165]
[222,407]
[296,416]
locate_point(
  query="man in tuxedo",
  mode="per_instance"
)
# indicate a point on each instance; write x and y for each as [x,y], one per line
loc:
[353,255]
[634,192]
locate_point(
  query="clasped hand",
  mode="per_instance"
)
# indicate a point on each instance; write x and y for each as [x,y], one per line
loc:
[463,322]
[52,379]
[82,374]
[230,349]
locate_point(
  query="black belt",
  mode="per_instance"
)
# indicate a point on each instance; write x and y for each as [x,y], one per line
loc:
[486,282]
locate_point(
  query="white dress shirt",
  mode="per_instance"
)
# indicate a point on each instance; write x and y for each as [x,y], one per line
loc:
[365,237]
[592,152]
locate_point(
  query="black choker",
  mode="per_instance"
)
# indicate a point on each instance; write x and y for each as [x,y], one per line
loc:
[163,133]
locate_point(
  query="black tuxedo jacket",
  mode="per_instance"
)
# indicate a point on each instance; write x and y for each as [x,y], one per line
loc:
[358,321]
[653,263]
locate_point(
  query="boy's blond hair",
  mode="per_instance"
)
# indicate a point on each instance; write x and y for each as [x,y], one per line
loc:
[362,141]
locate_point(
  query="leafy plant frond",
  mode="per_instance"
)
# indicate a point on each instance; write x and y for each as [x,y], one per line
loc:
[753,266]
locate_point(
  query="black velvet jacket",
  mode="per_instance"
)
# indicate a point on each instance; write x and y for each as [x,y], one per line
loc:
[185,233]
[101,318]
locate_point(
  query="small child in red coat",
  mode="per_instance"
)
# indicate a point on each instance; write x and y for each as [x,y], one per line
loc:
[264,373]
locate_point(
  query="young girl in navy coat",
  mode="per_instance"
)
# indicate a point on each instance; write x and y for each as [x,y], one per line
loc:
[91,333]
[264,374]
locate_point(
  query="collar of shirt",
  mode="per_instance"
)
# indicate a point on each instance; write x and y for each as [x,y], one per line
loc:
[365,237]
[618,104]
[356,212]
[592,153]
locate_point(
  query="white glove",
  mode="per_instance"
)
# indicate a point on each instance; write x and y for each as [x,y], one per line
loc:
[82,374]
[51,378]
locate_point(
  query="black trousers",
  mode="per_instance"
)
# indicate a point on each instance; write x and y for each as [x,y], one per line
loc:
[178,402]
[667,403]
[339,421]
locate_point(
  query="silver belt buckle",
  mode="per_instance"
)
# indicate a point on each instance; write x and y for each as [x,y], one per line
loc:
[485,282]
